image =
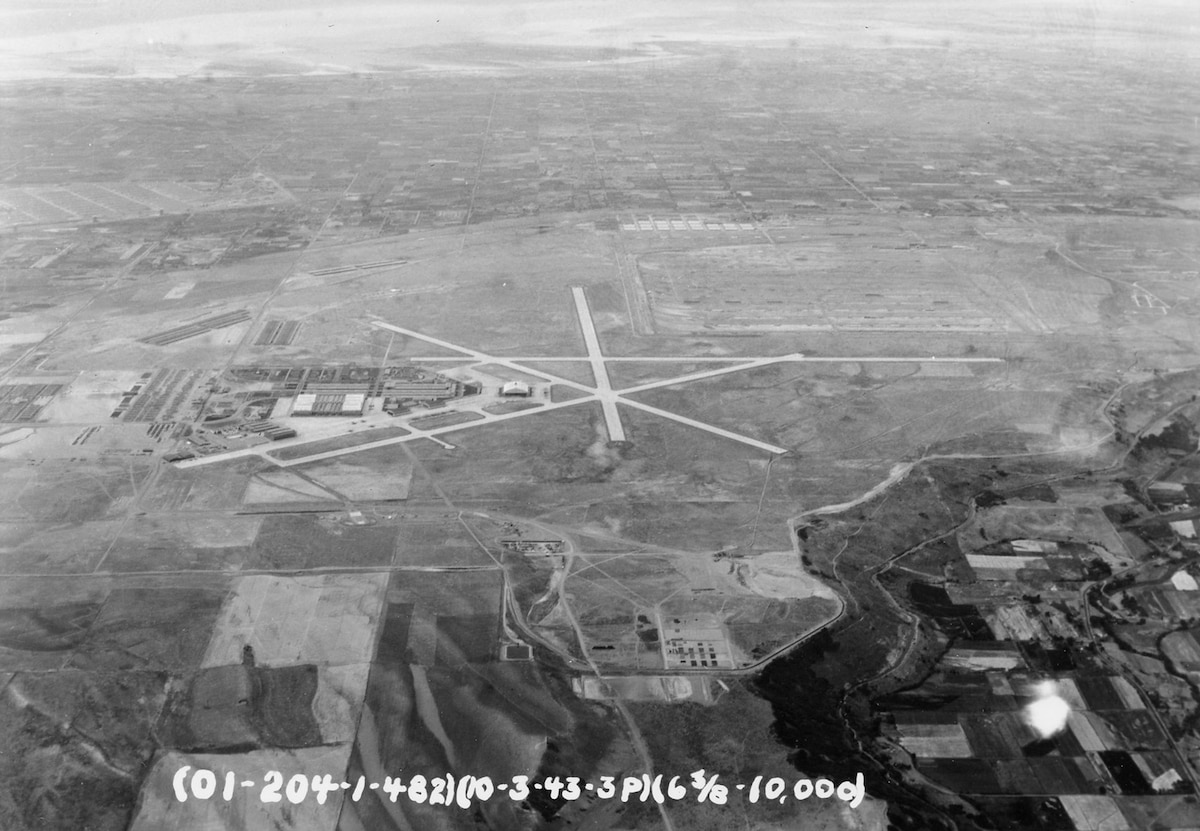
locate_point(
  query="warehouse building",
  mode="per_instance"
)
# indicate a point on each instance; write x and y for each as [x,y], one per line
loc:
[329,404]
[423,390]
[304,404]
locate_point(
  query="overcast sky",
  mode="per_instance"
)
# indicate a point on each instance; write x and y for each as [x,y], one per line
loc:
[165,37]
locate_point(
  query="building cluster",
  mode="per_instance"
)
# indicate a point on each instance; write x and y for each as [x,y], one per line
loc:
[23,402]
[524,546]
[348,390]
[400,395]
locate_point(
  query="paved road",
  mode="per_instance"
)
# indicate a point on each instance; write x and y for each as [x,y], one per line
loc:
[729,359]
[262,449]
[709,373]
[700,425]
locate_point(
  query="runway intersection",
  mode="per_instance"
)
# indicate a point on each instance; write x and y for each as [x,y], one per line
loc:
[610,399]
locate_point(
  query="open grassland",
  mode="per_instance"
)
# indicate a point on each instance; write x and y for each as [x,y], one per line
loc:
[438,542]
[324,619]
[88,665]
[274,541]
[70,491]
[101,623]
[855,413]
[515,280]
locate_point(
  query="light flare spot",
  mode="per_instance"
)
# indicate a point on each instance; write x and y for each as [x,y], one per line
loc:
[1047,714]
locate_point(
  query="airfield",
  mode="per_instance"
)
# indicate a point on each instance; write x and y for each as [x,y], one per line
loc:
[531,416]
[602,392]
[655,475]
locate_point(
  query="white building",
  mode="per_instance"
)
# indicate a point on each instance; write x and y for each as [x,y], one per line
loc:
[304,404]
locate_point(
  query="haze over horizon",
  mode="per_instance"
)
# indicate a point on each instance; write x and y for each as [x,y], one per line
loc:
[170,39]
